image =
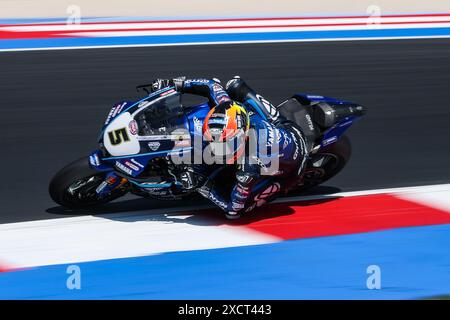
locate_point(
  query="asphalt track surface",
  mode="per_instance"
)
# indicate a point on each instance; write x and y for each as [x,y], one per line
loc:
[53,104]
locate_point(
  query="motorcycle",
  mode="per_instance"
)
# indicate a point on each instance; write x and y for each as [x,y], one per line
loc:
[139,140]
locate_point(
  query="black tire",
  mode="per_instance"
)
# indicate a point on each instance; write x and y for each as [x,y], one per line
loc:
[80,171]
[337,156]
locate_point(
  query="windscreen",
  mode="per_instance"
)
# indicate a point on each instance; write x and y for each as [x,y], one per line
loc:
[161,124]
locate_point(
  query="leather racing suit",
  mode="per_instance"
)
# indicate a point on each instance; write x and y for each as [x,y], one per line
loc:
[264,174]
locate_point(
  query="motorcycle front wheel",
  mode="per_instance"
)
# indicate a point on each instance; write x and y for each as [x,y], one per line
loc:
[74,186]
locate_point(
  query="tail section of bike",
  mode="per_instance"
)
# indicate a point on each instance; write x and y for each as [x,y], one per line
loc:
[323,121]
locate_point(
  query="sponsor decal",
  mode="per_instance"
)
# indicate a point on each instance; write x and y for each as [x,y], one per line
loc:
[132,166]
[198,124]
[297,147]
[182,143]
[278,135]
[197,81]
[304,151]
[271,190]
[164,137]
[329,141]
[260,163]
[123,168]
[167,93]
[143,104]
[108,119]
[347,123]
[232,81]
[213,198]
[217,87]
[94,160]
[314,97]
[101,187]
[118,109]
[253,206]
[215,131]
[310,123]
[217,121]
[270,136]
[186,179]
[138,164]
[158,191]
[133,127]
[161,193]
[114,111]
[243,178]
[219,92]
[242,190]
[154,145]
[268,106]
[287,140]
[204,192]
[237,205]
[240,196]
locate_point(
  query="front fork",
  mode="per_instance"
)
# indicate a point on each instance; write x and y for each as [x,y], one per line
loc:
[112,180]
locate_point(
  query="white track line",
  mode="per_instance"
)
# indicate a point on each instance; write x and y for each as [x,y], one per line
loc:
[69,240]
[438,199]
[395,191]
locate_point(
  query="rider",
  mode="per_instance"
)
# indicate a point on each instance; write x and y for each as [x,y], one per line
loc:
[262,173]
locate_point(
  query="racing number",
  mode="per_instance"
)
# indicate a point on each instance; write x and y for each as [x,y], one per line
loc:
[118,136]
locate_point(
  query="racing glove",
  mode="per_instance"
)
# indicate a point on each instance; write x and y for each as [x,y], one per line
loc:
[158,84]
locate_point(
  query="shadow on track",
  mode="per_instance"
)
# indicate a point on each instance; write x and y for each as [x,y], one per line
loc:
[200,211]
[214,217]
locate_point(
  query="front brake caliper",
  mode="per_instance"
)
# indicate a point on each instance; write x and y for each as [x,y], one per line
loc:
[111,182]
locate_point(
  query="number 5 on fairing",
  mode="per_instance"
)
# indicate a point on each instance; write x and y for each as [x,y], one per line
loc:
[118,136]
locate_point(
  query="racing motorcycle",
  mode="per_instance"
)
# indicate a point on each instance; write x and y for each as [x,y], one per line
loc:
[139,139]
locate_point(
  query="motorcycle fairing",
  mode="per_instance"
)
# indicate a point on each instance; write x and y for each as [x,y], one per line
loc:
[332,134]
[186,124]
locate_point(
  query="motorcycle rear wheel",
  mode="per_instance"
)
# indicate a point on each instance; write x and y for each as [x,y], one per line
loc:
[74,186]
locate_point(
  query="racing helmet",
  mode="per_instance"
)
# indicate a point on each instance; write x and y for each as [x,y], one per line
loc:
[225,128]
